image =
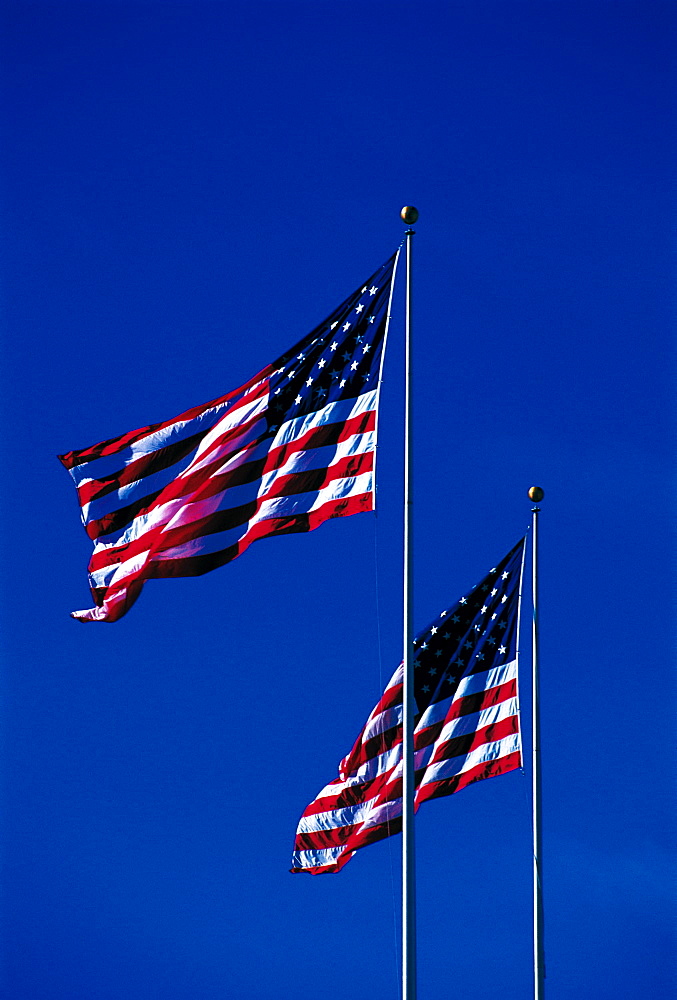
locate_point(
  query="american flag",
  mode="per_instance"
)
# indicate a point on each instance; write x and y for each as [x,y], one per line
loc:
[467,725]
[289,449]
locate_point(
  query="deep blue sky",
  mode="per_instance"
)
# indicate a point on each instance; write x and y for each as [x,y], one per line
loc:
[186,190]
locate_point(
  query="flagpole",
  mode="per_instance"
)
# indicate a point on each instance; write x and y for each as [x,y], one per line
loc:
[409,215]
[536,493]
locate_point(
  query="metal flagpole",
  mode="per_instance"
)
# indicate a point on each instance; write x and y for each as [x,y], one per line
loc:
[409,215]
[536,493]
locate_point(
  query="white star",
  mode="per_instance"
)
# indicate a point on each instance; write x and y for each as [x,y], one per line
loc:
[321,363]
[334,345]
[504,599]
[346,326]
[363,290]
[501,649]
[309,381]
[298,399]
[278,391]
[505,576]
[353,367]
[373,290]
[494,592]
[366,348]
[291,374]
[492,617]
[424,645]
[333,326]
[463,601]
[359,308]
[300,357]
[342,383]
[433,630]
[442,614]
[371,319]
[484,608]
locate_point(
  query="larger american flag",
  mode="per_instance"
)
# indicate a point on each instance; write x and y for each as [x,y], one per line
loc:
[467,725]
[289,449]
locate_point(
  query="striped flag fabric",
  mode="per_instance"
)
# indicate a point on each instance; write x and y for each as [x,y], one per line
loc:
[292,447]
[467,725]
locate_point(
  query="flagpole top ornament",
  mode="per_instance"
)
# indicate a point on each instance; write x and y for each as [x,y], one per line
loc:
[536,494]
[409,214]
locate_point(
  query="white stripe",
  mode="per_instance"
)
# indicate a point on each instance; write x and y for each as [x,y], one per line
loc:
[379,724]
[178,513]
[467,724]
[335,818]
[482,755]
[208,453]
[317,859]
[107,465]
[305,503]
[478,720]
[163,513]
[437,712]
[97,508]
[182,510]
[117,572]
[487,679]
[333,413]
[187,467]
[365,814]
[320,458]
[380,764]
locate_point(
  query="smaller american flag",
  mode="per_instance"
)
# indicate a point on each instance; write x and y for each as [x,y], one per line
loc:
[287,450]
[467,725]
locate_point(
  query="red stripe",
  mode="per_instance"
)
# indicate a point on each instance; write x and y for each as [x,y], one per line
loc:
[361,838]
[466,706]
[186,487]
[159,538]
[488,769]
[164,457]
[461,746]
[122,597]
[322,437]
[147,465]
[379,787]
[201,484]
[113,445]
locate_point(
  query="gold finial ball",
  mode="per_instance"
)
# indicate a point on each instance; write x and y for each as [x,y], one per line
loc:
[536,494]
[409,214]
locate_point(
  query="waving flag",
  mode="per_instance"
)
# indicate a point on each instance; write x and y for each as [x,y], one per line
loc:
[289,449]
[467,725]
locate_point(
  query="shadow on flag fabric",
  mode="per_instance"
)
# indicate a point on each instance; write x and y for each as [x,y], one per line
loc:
[467,725]
[289,449]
